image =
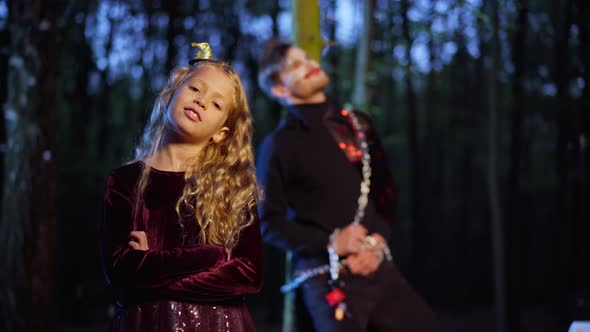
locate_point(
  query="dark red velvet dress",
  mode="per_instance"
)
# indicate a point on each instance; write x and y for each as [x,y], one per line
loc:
[176,285]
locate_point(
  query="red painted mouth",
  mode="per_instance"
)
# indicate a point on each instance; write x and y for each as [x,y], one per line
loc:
[192,114]
[313,72]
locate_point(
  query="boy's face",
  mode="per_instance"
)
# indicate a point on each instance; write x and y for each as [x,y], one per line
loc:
[300,76]
[201,105]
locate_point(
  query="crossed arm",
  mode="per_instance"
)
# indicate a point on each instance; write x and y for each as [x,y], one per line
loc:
[200,272]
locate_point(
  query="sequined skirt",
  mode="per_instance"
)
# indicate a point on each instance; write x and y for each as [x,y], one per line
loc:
[183,317]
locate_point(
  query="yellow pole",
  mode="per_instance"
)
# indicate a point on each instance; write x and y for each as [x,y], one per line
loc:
[306,34]
[306,27]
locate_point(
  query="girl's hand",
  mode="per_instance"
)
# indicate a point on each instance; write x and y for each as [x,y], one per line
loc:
[138,241]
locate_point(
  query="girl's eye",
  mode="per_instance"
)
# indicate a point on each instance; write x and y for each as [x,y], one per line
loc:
[195,89]
[217,106]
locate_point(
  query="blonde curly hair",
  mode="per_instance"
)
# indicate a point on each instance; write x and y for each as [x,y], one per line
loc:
[221,190]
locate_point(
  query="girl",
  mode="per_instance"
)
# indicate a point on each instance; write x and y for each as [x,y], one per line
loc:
[181,243]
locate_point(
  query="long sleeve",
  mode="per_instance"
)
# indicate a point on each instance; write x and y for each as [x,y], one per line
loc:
[125,267]
[273,174]
[242,274]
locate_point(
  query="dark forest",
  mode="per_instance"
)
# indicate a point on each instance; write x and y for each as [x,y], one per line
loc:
[483,107]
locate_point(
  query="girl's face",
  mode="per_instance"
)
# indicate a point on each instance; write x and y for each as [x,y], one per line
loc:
[200,106]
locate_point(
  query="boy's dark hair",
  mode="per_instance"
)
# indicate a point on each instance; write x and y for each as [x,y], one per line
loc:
[271,62]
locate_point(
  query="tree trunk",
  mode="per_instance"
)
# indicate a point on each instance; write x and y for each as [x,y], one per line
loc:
[28,229]
[360,95]
[81,98]
[103,110]
[274,15]
[515,230]
[413,149]
[333,58]
[274,110]
[172,8]
[232,31]
[147,95]
[5,45]
[563,259]
[494,192]
[429,159]
[581,181]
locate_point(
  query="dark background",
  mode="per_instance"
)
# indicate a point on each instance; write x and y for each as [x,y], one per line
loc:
[483,107]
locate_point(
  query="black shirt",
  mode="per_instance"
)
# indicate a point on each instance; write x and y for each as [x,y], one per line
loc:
[311,186]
